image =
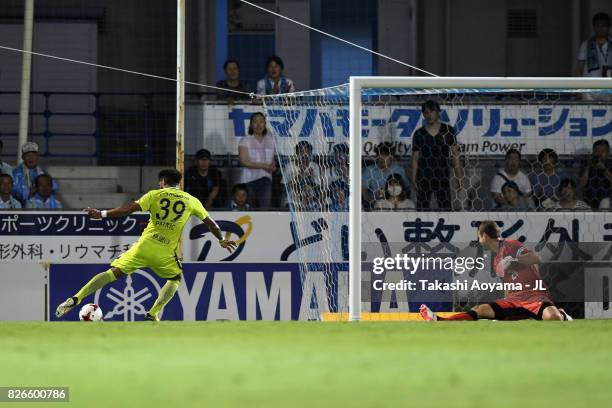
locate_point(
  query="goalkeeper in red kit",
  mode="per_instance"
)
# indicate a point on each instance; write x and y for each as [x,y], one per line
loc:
[513,263]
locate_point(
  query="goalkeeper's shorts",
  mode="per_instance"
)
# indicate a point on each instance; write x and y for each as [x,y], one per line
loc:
[510,309]
[144,254]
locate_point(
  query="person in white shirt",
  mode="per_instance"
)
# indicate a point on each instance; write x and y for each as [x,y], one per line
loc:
[256,154]
[300,170]
[567,197]
[510,172]
[395,195]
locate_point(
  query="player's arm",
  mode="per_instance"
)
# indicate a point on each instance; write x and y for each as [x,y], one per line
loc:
[523,257]
[456,162]
[122,211]
[216,231]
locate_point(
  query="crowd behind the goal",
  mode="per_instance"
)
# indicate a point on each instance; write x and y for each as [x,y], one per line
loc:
[430,179]
[436,175]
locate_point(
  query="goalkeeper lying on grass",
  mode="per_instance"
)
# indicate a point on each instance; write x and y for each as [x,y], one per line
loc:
[170,208]
[513,263]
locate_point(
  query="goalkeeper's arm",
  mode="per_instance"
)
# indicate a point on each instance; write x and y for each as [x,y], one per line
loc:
[509,263]
[122,211]
[530,258]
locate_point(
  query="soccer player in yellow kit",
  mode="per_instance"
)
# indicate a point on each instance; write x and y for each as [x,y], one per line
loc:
[170,208]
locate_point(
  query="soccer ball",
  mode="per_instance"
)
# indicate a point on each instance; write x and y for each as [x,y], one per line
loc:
[91,313]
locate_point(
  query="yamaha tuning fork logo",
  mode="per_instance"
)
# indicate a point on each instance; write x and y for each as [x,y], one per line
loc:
[128,299]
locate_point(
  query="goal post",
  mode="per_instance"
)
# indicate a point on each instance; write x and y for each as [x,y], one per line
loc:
[347,160]
[359,83]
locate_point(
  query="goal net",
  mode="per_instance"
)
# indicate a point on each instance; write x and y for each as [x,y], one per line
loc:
[409,167]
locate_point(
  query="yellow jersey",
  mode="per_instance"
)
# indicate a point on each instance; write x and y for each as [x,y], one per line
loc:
[170,208]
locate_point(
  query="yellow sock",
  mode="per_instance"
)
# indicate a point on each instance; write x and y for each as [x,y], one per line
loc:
[95,283]
[165,294]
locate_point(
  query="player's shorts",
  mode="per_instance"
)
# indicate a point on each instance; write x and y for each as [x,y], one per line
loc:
[143,254]
[509,309]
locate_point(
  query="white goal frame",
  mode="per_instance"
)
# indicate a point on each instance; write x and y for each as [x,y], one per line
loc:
[358,83]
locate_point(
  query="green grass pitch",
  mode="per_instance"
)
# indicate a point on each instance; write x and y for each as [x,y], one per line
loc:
[293,364]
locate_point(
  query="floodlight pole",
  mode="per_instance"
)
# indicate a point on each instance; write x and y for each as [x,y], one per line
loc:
[26,75]
[180,87]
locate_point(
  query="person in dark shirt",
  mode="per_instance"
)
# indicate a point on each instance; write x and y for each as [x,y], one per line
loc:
[434,151]
[232,82]
[596,174]
[201,180]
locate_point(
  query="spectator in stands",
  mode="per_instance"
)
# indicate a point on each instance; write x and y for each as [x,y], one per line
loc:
[256,153]
[595,54]
[5,168]
[306,198]
[338,166]
[202,180]
[434,151]
[513,199]
[596,174]
[374,177]
[240,198]
[232,82]
[334,169]
[7,201]
[338,196]
[274,82]
[510,172]
[44,197]
[546,182]
[567,197]
[302,166]
[25,174]
[301,169]
[395,196]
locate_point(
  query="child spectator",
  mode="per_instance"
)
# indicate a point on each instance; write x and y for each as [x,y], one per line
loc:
[240,198]
[274,82]
[202,180]
[567,197]
[256,153]
[232,82]
[510,172]
[395,196]
[44,197]
[7,201]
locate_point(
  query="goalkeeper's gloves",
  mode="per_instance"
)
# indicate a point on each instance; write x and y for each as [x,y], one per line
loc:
[507,263]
